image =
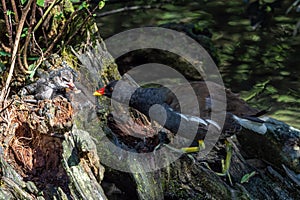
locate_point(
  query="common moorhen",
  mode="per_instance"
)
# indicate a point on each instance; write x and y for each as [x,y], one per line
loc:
[167,107]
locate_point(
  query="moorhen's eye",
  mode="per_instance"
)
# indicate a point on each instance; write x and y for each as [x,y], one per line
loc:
[111,89]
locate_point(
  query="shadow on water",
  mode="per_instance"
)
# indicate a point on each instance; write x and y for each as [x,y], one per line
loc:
[261,65]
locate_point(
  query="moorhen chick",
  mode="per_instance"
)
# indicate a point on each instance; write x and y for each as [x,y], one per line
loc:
[167,107]
[51,85]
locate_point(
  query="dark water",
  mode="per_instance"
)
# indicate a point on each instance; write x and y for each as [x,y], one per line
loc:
[262,65]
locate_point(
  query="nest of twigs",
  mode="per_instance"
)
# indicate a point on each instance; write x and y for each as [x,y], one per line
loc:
[32,135]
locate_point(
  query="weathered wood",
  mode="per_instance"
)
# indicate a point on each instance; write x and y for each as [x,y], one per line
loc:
[278,146]
[83,148]
[188,179]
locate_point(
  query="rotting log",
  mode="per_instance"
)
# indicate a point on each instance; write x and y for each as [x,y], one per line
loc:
[44,156]
[247,178]
[78,150]
[280,145]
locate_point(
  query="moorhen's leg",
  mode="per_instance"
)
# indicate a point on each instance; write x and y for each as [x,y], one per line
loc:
[200,147]
[226,163]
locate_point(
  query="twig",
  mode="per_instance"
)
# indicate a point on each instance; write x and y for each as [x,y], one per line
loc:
[8,24]
[21,66]
[41,58]
[296,28]
[32,21]
[5,48]
[16,14]
[83,23]
[15,49]
[7,106]
[37,44]
[131,8]
[14,7]
[292,6]
[61,32]
[45,15]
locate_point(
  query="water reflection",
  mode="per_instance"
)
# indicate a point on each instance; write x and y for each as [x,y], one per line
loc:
[262,65]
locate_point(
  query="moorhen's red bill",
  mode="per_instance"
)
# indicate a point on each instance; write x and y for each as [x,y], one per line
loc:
[99,92]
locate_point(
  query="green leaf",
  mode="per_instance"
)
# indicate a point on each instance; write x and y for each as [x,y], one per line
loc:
[31,74]
[268,9]
[9,12]
[255,38]
[3,53]
[24,32]
[226,165]
[247,177]
[285,73]
[2,67]
[33,58]
[257,89]
[40,3]
[262,84]
[279,58]
[68,7]
[31,67]
[268,1]
[59,16]
[101,4]
[83,5]
[271,89]
[286,99]
[23,2]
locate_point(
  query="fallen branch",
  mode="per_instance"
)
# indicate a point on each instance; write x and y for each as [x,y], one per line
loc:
[111,12]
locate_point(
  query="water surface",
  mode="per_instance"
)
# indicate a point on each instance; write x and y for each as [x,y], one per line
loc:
[262,65]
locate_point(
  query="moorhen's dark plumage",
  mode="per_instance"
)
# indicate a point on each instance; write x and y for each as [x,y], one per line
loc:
[167,104]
